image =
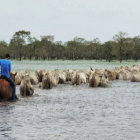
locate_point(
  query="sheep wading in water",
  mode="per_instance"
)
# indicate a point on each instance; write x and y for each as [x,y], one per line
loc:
[47,79]
[50,79]
[26,89]
[98,81]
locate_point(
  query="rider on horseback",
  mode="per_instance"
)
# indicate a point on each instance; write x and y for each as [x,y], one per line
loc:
[5,70]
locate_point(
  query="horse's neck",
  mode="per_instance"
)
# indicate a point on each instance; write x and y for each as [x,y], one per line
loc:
[12,76]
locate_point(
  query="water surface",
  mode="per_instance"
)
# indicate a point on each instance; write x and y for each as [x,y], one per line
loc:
[69,112]
[69,64]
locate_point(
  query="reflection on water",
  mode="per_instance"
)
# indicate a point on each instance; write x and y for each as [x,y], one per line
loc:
[74,112]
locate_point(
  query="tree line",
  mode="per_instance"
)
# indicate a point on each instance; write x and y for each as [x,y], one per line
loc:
[23,46]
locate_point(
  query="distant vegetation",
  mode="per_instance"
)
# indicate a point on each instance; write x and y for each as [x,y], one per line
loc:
[23,46]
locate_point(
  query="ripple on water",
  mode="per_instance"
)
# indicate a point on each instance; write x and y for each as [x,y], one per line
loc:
[74,112]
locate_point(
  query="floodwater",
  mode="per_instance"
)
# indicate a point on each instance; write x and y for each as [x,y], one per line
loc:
[69,64]
[69,112]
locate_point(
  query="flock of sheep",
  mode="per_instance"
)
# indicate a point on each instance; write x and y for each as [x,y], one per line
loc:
[46,79]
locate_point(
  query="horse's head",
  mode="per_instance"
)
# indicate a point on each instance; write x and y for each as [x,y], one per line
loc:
[12,75]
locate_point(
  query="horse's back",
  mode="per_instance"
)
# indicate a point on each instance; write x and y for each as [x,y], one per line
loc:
[5,90]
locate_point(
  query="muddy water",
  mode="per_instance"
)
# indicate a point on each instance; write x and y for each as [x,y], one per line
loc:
[74,113]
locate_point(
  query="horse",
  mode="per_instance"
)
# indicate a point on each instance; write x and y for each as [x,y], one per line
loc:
[6,88]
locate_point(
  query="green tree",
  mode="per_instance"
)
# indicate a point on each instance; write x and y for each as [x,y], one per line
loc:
[136,50]
[47,47]
[18,41]
[108,47]
[3,48]
[120,39]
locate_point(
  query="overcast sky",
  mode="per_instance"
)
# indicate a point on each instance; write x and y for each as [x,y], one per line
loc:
[66,19]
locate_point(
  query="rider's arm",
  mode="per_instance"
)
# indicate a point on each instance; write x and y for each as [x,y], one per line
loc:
[0,65]
[10,67]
